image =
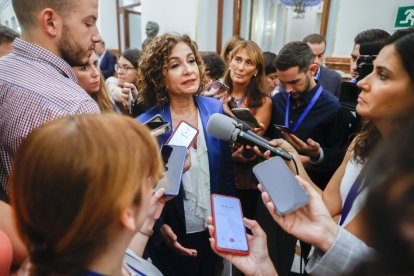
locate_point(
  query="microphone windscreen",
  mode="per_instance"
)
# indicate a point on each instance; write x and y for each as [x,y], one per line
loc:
[221,126]
[370,48]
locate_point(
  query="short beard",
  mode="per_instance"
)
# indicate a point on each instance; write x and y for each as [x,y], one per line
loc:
[70,50]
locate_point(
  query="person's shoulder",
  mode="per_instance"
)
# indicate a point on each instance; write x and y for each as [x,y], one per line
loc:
[330,73]
[210,103]
[329,99]
[147,115]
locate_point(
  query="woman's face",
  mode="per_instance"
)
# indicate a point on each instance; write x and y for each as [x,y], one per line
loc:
[271,82]
[89,75]
[183,76]
[387,93]
[242,68]
[126,71]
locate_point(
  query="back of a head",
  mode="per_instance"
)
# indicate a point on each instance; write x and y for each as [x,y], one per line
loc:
[314,39]
[27,10]
[71,178]
[270,62]
[403,41]
[228,47]
[132,55]
[296,53]
[371,35]
[214,66]
[7,35]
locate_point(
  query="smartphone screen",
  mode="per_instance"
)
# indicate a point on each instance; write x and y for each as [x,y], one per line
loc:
[183,135]
[174,159]
[156,124]
[284,191]
[230,234]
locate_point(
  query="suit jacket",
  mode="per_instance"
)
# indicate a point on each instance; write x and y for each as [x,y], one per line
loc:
[330,80]
[219,159]
[107,64]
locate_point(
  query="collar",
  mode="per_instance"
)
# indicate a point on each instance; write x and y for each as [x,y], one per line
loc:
[306,97]
[40,54]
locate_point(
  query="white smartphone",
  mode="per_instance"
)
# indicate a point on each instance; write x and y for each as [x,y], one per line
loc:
[284,190]
[183,135]
[229,231]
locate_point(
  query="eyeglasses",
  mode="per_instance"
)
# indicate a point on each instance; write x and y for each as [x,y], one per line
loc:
[123,69]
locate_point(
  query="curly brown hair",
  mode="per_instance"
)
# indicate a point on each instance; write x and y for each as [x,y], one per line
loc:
[153,68]
[255,94]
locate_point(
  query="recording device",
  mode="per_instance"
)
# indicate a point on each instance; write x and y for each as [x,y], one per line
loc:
[174,159]
[220,84]
[229,231]
[246,115]
[368,53]
[284,190]
[227,129]
[183,135]
[157,125]
[283,128]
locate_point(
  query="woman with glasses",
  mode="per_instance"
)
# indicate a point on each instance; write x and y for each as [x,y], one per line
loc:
[123,89]
[91,80]
[170,80]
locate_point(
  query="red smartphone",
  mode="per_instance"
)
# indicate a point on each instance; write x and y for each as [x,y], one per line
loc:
[229,231]
[183,135]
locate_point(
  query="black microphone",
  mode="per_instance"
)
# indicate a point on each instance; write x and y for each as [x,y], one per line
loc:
[246,127]
[225,128]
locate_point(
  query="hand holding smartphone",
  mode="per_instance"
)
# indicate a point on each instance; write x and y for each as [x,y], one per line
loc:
[229,232]
[174,159]
[183,135]
[157,125]
[284,190]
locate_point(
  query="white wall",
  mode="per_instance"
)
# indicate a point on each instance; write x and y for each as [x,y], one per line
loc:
[178,16]
[107,23]
[355,16]
[206,21]
[7,15]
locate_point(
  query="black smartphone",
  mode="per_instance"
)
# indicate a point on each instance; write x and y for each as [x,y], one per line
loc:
[283,128]
[157,124]
[174,159]
[229,230]
[246,115]
[284,190]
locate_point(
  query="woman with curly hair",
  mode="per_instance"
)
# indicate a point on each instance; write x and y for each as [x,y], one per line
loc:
[170,80]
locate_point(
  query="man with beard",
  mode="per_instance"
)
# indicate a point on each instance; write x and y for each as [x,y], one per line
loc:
[37,83]
[310,115]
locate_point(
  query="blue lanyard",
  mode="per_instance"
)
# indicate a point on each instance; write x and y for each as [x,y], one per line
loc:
[350,198]
[239,103]
[305,113]
[318,74]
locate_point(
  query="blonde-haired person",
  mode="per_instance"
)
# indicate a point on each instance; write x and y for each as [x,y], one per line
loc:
[245,78]
[91,80]
[79,205]
[170,81]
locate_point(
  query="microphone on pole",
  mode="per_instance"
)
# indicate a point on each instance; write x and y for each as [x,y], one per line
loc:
[227,129]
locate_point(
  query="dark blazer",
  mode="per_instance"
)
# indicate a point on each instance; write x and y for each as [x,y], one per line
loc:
[107,64]
[330,80]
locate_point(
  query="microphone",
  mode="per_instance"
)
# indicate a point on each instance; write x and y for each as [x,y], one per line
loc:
[225,128]
[245,127]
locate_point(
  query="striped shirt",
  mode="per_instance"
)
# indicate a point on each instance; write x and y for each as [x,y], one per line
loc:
[36,86]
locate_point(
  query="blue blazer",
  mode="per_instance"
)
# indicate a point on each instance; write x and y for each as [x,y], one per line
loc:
[219,159]
[107,64]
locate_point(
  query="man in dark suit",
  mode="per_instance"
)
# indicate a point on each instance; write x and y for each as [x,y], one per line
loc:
[329,79]
[106,60]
